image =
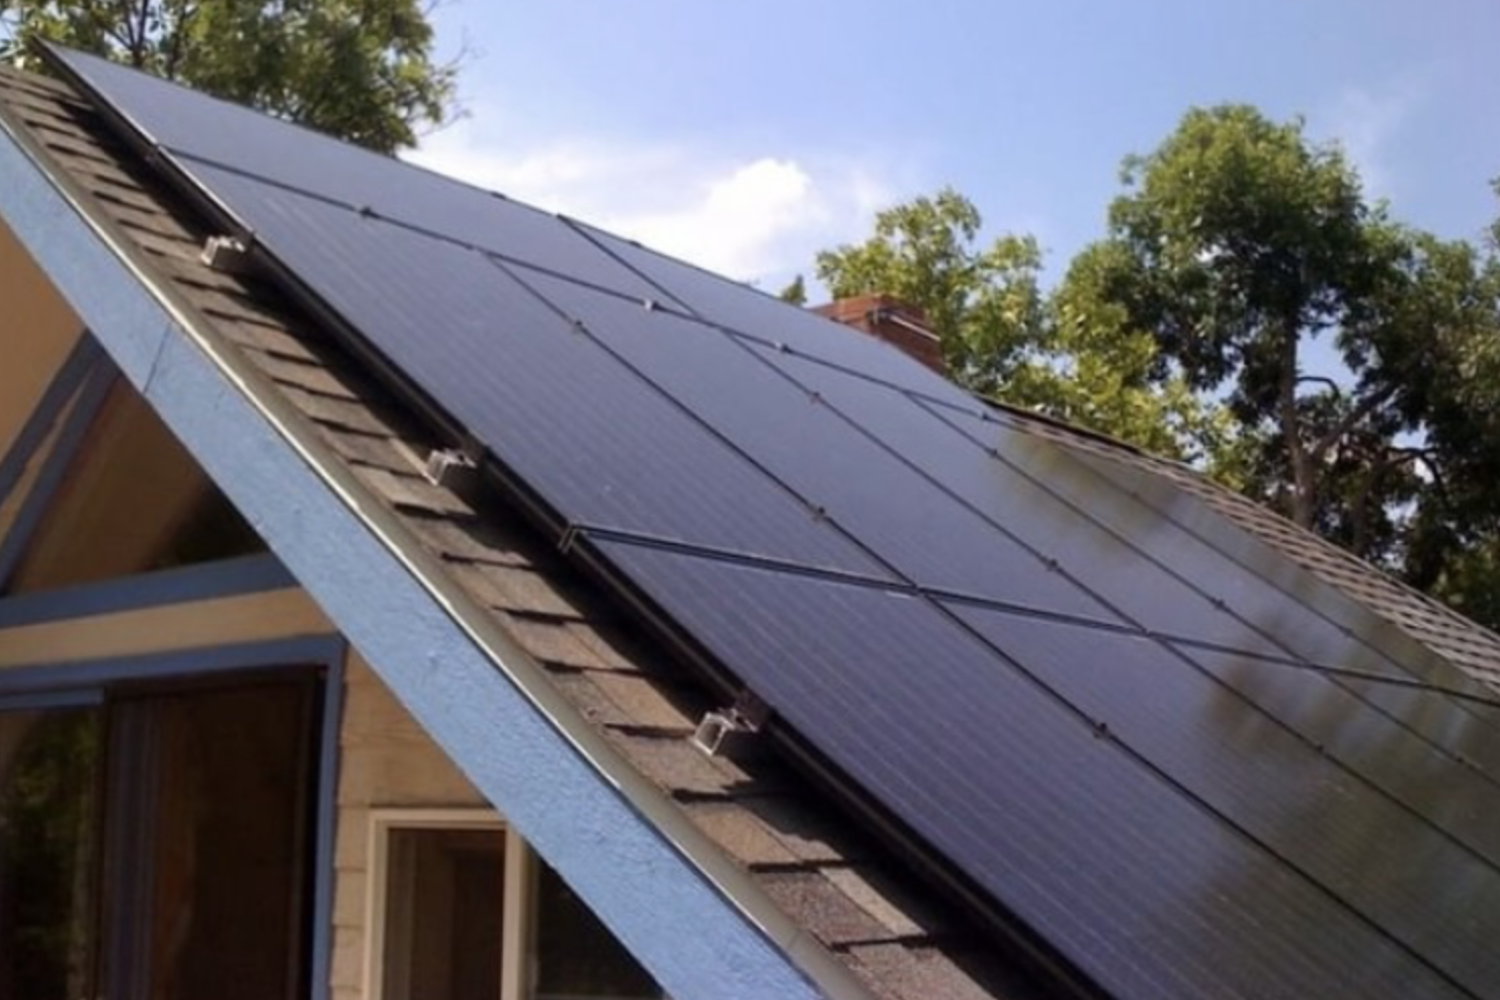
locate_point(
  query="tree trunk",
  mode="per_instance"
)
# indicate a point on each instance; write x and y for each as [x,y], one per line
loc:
[1304,489]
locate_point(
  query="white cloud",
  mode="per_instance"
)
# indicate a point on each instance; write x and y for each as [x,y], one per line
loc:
[756,218]
[1367,124]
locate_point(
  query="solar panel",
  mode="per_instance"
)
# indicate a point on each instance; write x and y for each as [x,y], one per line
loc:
[1285,788]
[210,132]
[561,412]
[1005,647]
[757,314]
[1149,890]
[819,454]
[1230,603]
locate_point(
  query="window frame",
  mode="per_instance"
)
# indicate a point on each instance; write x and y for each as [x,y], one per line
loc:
[516,906]
[36,672]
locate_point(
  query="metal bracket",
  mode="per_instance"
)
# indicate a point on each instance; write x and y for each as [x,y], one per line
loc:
[730,732]
[227,254]
[451,469]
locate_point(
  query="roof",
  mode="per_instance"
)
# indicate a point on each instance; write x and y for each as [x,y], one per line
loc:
[829,876]
[1221,726]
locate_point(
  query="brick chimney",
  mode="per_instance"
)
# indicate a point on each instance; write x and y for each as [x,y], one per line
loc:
[895,322]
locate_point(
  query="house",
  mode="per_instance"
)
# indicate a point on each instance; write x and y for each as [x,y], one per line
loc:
[407,593]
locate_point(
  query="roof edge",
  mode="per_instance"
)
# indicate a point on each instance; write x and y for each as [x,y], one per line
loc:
[238,427]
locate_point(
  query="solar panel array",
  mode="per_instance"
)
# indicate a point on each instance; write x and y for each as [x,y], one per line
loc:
[1172,761]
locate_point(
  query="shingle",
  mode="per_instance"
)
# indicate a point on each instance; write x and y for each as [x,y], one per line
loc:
[900,971]
[260,339]
[159,224]
[647,704]
[550,640]
[516,589]
[339,412]
[371,449]
[892,906]
[165,246]
[810,835]
[585,696]
[91,168]
[218,301]
[313,377]
[681,768]
[739,832]
[64,144]
[610,647]
[469,539]
[820,906]
[411,491]
[117,194]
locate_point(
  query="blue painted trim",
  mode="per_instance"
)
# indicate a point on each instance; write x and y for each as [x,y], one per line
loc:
[101,375]
[697,943]
[326,820]
[315,650]
[65,381]
[226,578]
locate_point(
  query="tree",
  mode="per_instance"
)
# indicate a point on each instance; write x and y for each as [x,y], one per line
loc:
[1238,245]
[1102,371]
[1069,355]
[795,292]
[361,70]
[983,303]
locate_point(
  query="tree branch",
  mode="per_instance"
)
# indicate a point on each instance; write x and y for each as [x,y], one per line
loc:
[1366,406]
[1337,390]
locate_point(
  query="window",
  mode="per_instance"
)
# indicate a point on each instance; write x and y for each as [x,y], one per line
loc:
[154,844]
[460,909]
[131,500]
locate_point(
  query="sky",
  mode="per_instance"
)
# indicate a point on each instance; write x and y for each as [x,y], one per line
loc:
[747,136]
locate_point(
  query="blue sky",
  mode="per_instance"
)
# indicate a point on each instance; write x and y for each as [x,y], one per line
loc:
[745,136]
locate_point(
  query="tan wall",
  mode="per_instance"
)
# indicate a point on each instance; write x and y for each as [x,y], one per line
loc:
[195,624]
[386,759]
[37,329]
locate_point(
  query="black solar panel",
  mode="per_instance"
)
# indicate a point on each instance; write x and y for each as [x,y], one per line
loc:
[748,311]
[1151,889]
[1186,769]
[542,394]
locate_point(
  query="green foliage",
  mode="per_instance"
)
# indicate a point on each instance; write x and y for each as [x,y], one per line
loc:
[361,70]
[795,292]
[983,302]
[1103,372]
[47,830]
[1238,243]
[1235,245]
[1071,355]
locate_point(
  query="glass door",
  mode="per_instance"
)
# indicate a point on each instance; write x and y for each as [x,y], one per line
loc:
[48,834]
[157,847]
